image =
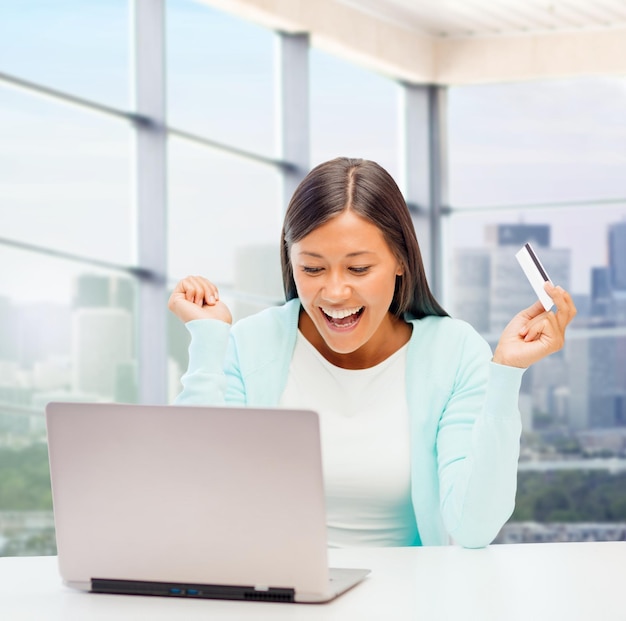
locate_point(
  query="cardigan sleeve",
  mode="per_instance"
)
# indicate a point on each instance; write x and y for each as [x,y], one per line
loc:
[478,439]
[246,364]
[212,377]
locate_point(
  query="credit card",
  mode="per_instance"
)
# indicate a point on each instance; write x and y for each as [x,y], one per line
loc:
[535,272]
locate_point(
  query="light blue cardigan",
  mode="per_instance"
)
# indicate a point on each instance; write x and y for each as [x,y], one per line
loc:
[465,422]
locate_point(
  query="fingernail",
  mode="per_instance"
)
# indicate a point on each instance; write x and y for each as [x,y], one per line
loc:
[211,299]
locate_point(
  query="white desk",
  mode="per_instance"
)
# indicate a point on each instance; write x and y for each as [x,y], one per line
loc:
[535,582]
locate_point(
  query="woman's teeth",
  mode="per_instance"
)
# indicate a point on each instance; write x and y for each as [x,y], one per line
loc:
[340,313]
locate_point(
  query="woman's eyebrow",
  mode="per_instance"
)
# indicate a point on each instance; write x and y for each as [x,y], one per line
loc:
[350,254]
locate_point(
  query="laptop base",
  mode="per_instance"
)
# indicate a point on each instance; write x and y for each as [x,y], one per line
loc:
[341,580]
[201,591]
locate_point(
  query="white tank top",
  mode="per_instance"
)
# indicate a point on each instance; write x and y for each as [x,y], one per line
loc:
[364,425]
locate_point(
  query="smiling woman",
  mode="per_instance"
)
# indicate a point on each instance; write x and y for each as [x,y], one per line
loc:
[419,422]
[345,275]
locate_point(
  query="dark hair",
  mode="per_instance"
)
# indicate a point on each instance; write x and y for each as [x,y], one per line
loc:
[369,190]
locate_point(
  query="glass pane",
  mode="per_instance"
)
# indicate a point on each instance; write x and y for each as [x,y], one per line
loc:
[66,334]
[573,403]
[354,113]
[220,80]
[64,178]
[224,221]
[537,142]
[78,47]
[582,231]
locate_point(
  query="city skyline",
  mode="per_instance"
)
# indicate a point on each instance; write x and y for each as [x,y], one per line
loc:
[101,308]
[550,153]
[584,386]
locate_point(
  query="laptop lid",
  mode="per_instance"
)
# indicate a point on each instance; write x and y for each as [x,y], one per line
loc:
[185,500]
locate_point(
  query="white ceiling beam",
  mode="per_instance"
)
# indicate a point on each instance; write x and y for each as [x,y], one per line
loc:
[405,53]
[530,57]
[398,51]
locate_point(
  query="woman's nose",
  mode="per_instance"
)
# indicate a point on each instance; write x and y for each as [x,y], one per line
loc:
[336,288]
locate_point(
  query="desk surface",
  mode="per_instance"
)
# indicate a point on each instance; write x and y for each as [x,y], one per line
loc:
[560,581]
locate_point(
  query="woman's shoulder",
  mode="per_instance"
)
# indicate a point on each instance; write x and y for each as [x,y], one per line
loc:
[447,334]
[266,338]
[269,322]
[442,325]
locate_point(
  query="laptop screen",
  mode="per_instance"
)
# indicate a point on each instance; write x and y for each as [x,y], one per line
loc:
[183,494]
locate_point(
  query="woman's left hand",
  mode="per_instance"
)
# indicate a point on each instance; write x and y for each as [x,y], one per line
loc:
[534,332]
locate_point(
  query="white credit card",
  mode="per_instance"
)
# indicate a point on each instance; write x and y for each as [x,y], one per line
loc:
[535,272]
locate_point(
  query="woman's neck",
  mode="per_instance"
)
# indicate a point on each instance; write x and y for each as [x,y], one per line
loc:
[389,338]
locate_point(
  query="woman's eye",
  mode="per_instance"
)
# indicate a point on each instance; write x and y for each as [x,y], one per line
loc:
[311,270]
[360,270]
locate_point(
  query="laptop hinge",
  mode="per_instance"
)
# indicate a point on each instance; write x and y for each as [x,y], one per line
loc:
[202,591]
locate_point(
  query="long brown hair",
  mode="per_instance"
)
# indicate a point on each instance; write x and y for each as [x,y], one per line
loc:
[370,191]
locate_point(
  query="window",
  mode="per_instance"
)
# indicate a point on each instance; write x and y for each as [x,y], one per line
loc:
[66,334]
[354,113]
[65,177]
[544,162]
[224,224]
[220,78]
[545,159]
[219,205]
[67,292]
[64,45]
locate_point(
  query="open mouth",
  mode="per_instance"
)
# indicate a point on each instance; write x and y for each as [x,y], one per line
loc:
[344,317]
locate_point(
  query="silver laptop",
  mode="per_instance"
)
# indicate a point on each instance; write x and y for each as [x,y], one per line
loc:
[186,501]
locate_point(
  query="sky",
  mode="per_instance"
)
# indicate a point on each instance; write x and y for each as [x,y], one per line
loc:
[65,174]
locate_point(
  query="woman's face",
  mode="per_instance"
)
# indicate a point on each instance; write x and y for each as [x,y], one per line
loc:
[345,274]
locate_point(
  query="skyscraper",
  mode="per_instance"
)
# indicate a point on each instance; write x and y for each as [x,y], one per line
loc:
[617,256]
[518,234]
[472,282]
[489,285]
[606,393]
[8,334]
[601,292]
[91,291]
[101,344]
[607,383]
[102,291]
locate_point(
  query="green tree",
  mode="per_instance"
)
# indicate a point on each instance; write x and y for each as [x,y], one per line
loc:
[25,479]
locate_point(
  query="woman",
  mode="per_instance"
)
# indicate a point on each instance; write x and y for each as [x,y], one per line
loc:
[420,424]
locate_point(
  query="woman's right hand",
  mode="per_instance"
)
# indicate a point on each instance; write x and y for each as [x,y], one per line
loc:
[195,297]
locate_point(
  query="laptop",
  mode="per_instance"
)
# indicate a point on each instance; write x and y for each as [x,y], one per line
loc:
[189,501]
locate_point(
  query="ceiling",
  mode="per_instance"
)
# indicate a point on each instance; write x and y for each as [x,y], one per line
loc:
[480,18]
[452,42]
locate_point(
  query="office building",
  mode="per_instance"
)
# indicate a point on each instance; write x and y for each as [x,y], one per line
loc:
[91,291]
[607,382]
[601,292]
[606,399]
[101,342]
[100,291]
[518,234]
[8,333]
[489,286]
[472,285]
[257,271]
[52,374]
[617,256]
[578,361]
